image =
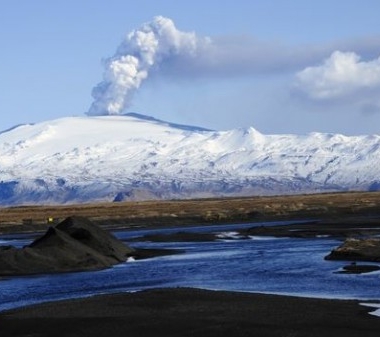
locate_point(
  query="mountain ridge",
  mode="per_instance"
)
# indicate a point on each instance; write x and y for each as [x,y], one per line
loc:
[137,157]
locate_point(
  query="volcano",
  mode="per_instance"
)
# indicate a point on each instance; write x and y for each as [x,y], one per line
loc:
[136,157]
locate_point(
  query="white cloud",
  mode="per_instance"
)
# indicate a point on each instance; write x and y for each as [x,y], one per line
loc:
[158,49]
[339,76]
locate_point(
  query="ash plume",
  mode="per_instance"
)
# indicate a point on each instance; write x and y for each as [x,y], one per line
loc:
[140,52]
[159,47]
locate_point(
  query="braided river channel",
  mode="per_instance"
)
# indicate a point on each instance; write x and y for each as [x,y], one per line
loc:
[288,266]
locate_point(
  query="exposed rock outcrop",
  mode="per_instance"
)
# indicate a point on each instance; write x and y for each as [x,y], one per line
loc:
[75,244]
[357,250]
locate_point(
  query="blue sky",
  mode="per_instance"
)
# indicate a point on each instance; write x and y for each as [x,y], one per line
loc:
[280,66]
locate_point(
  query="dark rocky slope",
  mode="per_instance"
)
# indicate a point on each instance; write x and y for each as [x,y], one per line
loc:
[75,244]
[366,249]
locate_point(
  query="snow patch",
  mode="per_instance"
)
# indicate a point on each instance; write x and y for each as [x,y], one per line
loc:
[229,235]
[373,305]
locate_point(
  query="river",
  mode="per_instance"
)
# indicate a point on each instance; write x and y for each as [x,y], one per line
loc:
[288,266]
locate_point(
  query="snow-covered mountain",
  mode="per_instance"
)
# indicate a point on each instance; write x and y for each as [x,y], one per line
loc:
[82,159]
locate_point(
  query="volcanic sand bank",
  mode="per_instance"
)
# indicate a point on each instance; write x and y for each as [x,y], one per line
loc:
[191,312]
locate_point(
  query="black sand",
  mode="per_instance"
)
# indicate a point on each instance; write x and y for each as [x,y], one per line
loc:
[190,312]
[75,244]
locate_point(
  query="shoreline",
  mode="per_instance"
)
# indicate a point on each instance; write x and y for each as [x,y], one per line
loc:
[192,312]
[373,304]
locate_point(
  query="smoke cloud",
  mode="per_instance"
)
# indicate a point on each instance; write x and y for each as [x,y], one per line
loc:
[141,51]
[158,46]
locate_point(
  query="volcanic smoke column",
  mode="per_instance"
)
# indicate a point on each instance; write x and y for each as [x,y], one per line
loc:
[141,51]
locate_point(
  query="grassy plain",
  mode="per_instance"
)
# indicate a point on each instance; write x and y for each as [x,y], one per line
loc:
[183,212]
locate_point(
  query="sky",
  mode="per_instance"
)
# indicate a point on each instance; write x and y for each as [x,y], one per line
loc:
[280,66]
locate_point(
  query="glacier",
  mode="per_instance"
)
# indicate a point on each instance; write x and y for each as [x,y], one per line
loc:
[135,157]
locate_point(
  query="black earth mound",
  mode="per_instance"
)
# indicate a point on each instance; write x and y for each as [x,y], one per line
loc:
[75,244]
